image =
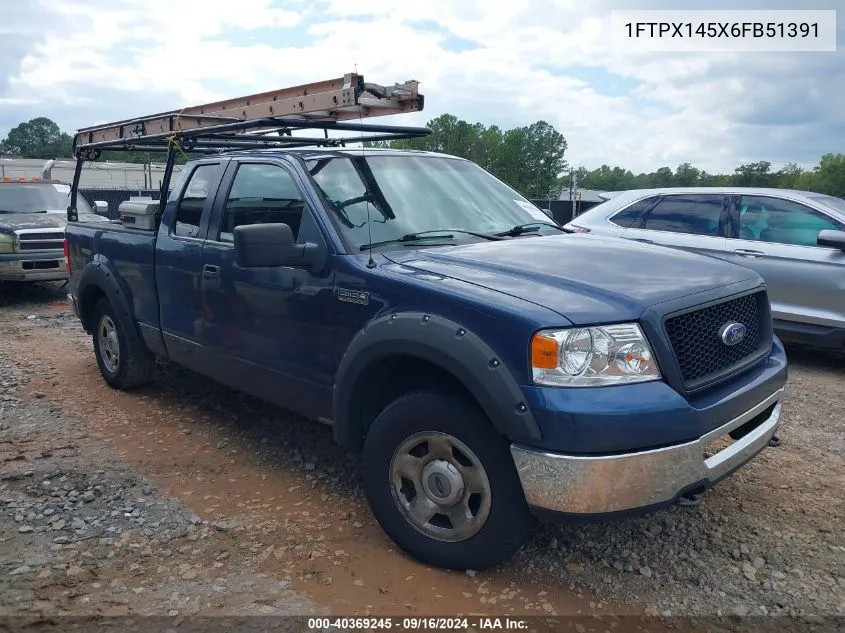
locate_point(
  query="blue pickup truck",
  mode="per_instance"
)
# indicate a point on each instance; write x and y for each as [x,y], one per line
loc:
[489,366]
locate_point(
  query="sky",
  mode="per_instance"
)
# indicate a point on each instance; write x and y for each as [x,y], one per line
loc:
[509,63]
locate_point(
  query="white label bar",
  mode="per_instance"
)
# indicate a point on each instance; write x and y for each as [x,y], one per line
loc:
[731,31]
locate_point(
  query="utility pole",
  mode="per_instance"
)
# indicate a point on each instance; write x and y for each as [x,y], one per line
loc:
[573,188]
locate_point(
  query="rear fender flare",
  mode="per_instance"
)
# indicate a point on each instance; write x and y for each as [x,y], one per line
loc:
[97,274]
[446,344]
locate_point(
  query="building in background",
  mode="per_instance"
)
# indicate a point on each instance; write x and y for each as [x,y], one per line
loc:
[95,175]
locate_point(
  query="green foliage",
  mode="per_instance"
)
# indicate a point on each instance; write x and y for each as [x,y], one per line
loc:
[828,177]
[37,138]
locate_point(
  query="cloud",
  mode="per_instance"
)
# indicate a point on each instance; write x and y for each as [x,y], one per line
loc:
[508,63]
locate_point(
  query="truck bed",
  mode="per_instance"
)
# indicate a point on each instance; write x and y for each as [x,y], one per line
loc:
[128,253]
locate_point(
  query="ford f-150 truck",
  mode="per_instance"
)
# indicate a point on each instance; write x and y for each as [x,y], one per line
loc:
[489,366]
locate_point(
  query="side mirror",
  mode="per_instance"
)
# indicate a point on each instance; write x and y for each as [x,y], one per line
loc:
[271,246]
[101,207]
[831,239]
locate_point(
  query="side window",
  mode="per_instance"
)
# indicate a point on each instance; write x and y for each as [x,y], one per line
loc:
[189,213]
[261,194]
[626,217]
[696,214]
[766,219]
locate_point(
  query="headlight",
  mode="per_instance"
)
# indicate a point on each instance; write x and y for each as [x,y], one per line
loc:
[592,356]
[7,243]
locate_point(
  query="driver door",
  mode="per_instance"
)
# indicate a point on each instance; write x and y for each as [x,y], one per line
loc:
[274,325]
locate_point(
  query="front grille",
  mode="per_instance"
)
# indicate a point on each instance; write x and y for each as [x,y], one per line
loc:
[696,341]
[40,240]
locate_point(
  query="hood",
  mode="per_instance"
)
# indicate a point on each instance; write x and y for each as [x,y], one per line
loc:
[11,222]
[585,278]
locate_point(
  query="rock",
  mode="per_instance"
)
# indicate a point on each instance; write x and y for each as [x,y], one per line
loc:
[651,612]
[23,569]
[758,563]
[575,568]
[88,497]
[749,572]
[78,524]
[61,540]
[48,511]
[655,529]
[740,610]
[778,575]
[189,574]
[266,609]
[310,466]
[547,607]
[645,571]
[471,573]
[74,571]
[796,573]
[743,549]
[841,581]
[58,525]
[358,582]
[25,529]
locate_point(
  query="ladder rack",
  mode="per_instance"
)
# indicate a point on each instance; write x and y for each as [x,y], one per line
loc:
[264,120]
[260,119]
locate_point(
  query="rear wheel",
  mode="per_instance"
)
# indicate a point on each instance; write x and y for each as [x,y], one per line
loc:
[442,483]
[123,363]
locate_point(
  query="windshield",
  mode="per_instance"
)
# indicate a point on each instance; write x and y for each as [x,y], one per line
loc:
[411,194]
[829,201]
[38,198]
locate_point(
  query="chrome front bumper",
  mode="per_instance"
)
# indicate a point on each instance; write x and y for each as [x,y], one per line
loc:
[40,269]
[617,483]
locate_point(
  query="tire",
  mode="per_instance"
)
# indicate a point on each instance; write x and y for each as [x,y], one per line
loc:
[491,525]
[124,364]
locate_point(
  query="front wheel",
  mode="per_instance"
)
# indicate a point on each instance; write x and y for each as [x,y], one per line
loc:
[442,483]
[123,363]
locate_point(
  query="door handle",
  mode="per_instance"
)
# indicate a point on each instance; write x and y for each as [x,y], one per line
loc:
[210,272]
[643,240]
[748,252]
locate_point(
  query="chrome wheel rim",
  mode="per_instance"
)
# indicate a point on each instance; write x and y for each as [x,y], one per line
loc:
[108,343]
[440,486]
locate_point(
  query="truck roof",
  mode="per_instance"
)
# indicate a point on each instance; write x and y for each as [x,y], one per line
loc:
[312,153]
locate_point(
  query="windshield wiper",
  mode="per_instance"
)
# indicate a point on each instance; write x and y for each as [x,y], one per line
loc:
[435,234]
[9,212]
[529,227]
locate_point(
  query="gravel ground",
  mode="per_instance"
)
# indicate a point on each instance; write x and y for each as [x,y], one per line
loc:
[770,540]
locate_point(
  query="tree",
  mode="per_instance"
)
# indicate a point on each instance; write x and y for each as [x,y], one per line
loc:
[687,176]
[830,175]
[755,175]
[37,138]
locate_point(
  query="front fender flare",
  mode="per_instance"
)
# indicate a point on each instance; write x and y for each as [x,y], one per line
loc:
[444,343]
[97,274]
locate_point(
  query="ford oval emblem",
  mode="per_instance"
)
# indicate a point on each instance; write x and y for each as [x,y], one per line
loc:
[732,333]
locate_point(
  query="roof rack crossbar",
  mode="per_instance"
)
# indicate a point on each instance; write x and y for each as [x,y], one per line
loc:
[320,105]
